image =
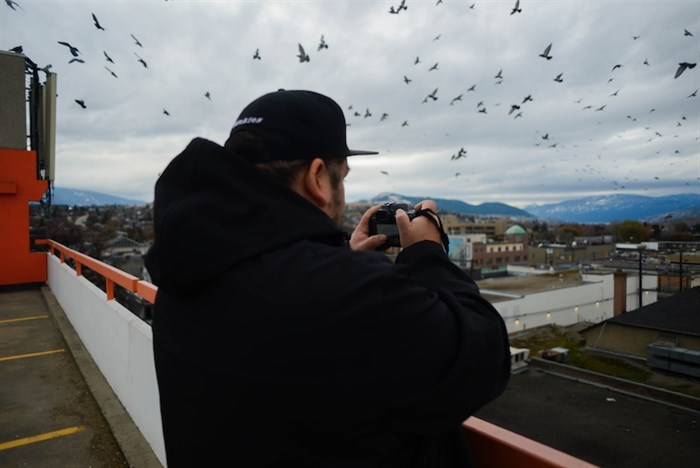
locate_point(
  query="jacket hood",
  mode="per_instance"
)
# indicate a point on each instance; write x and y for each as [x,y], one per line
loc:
[214,210]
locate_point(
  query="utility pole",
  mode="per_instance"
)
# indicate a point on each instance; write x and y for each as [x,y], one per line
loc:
[640,249]
[681,269]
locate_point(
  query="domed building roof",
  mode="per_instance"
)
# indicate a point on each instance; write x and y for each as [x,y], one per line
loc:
[515,229]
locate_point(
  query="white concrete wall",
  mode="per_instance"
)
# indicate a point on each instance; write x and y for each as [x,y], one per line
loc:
[592,302]
[650,284]
[120,343]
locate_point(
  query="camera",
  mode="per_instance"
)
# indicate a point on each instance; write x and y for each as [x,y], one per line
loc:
[384,222]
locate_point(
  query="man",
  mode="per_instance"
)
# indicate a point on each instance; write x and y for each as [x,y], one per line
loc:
[278,344]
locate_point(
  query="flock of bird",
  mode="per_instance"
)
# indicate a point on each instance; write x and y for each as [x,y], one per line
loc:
[515,110]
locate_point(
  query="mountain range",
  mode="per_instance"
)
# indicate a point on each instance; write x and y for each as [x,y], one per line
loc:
[610,208]
[452,206]
[77,197]
[594,209]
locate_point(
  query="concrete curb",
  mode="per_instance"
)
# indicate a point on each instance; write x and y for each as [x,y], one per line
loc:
[136,449]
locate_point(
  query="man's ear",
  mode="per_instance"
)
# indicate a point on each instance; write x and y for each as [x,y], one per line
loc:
[316,183]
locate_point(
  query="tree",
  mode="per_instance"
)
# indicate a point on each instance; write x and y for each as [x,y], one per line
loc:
[631,231]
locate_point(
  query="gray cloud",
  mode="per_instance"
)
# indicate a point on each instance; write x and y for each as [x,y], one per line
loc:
[123,140]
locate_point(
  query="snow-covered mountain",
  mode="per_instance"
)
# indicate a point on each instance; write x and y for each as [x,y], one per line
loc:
[453,206]
[610,208]
[76,197]
[598,209]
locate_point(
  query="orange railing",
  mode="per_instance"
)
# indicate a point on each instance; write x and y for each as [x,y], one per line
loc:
[111,274]
[492,446]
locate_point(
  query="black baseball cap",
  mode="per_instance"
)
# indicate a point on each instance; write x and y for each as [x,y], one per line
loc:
[296,124]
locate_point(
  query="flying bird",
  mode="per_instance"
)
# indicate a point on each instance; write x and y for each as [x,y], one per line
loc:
[256,55]
[682,66]
[166,112]
[303,57]
[405,123]
[635,37]
[384,172]
[483,110]
[558,78]
[434,67]
[406,80]
[97,23]
[527,98]
[499,74]
[601,108]
[545,54]
[646,62]
[461,153]
[143,62]
[368,113]
[136,41]
[107,57]
[73,50]
[615,67]
[207,95]
[694,94]
[686,33]
[417,61]
[402,6]
[322,44]
[513,108]
[458,98]
[432,95]
[113,74]
[81,103]
[516,8]
[472,88]
[12,4]
[383,117]
[79,60]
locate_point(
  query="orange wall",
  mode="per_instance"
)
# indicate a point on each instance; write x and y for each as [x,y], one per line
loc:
[19,186]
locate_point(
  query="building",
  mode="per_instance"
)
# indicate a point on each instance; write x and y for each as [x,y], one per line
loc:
[461,249]
[665,333]
[492,227]
[565,298]
[572,253]
[492,258]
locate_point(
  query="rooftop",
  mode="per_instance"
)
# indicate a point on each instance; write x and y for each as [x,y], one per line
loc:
[678,313]
[527,284]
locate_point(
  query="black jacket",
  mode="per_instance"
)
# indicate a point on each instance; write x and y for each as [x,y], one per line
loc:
[277,345]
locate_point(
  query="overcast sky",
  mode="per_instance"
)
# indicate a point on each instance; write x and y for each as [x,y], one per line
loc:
[603,129]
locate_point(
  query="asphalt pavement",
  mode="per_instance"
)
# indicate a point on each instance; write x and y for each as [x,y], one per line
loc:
[596,424]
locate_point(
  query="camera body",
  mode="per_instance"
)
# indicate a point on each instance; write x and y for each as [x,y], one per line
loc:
[384,222]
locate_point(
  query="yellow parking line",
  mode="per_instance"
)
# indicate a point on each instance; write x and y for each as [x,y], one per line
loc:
[40,437]
[22,356]
[23,319]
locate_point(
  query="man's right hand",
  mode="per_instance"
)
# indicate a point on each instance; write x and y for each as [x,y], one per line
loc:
[419,228]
